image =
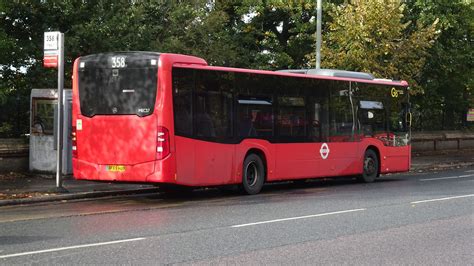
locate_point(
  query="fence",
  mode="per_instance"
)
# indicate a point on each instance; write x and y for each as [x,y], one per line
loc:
[13,155]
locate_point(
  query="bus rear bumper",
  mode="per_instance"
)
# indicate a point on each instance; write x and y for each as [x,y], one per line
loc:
[154,171]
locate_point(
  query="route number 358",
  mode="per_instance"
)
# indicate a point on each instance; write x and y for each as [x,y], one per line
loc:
[118,61]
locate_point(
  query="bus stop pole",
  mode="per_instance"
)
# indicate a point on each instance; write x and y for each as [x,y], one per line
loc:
[59,164]
[318,33]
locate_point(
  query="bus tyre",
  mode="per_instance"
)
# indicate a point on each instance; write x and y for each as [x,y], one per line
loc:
[253,174]
[371,166]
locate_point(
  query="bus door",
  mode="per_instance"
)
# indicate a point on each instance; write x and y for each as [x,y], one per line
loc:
[297,130]
[338,154]
[399,121]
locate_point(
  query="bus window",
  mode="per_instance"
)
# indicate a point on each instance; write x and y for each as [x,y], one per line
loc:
[255,117]
[203,121]
[316,93]
[106,89]
[213,104]
[399,118]
[255,104]
[340,114]
[291,117]
[383,113]
[372,118]
[183,83]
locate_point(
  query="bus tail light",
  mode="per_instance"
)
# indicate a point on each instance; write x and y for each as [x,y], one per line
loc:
[74,142]
[162,143]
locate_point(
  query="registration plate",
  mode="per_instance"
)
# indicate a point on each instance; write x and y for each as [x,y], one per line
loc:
[115,168]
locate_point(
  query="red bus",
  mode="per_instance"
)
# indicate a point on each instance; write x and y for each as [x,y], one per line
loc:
[173,119]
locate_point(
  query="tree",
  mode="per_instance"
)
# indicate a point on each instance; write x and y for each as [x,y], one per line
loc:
[370,36]
[393,38]
[279,33]
[90,27]
[448,76]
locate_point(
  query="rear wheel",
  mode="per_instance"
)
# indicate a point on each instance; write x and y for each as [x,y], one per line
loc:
[371,166]
[253,174]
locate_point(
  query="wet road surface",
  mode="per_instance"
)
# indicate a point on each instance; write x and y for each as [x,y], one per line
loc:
[400,219]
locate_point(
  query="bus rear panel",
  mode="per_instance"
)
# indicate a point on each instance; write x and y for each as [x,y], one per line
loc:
[117,134]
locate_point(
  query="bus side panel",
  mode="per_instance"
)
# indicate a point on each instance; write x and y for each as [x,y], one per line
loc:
[184,160]
[213,163]
[397,159]
[342,159]
[202,163]
[297,160]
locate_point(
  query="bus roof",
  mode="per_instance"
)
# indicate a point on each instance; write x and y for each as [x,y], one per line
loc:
[324,74]
[332,73]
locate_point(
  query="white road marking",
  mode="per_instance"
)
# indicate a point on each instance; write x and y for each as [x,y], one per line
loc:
[297,218]
[446,177]
[440,199]
[71,247]
[439,178]
[466,175]
[469,171]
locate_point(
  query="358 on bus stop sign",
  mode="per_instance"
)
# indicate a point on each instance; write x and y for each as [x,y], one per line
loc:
[51,49]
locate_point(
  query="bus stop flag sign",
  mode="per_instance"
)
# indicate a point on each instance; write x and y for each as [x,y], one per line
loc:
[54,58]
[51,49]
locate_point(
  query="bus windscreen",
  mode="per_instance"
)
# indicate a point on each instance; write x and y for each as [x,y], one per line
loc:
[118,84]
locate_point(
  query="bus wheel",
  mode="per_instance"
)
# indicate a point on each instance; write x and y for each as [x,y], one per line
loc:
[371,166]
[253,174]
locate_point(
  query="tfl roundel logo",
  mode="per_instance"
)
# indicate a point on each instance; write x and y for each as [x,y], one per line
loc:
[324,151]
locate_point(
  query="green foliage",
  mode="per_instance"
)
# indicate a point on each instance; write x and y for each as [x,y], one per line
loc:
[426,42]
[448,75]
[369,36]
[281,33]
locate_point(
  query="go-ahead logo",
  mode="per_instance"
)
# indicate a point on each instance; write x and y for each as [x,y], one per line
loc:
[324,151]
[394,92]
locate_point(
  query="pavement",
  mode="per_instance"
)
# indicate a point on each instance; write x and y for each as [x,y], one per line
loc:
[27,188]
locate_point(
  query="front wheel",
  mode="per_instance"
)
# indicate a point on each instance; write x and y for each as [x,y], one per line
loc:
[371,166]
[253,174]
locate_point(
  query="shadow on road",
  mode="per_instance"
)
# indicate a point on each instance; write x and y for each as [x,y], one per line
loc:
[271,191]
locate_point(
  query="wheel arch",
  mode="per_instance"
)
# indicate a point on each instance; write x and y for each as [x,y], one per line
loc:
[377,152]
[262,156]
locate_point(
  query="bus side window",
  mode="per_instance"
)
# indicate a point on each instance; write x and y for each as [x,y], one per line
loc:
[292,121]
[316,122]
[318,113]
[203,121]
[183,83]
[213,104]
[341,119]
[255,116]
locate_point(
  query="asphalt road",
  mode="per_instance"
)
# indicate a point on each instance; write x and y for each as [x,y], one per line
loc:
[400,219]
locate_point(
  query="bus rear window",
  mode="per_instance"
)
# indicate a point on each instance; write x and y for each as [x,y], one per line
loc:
[111,87]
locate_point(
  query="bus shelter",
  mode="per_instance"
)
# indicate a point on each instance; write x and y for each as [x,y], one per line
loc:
[43,130]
